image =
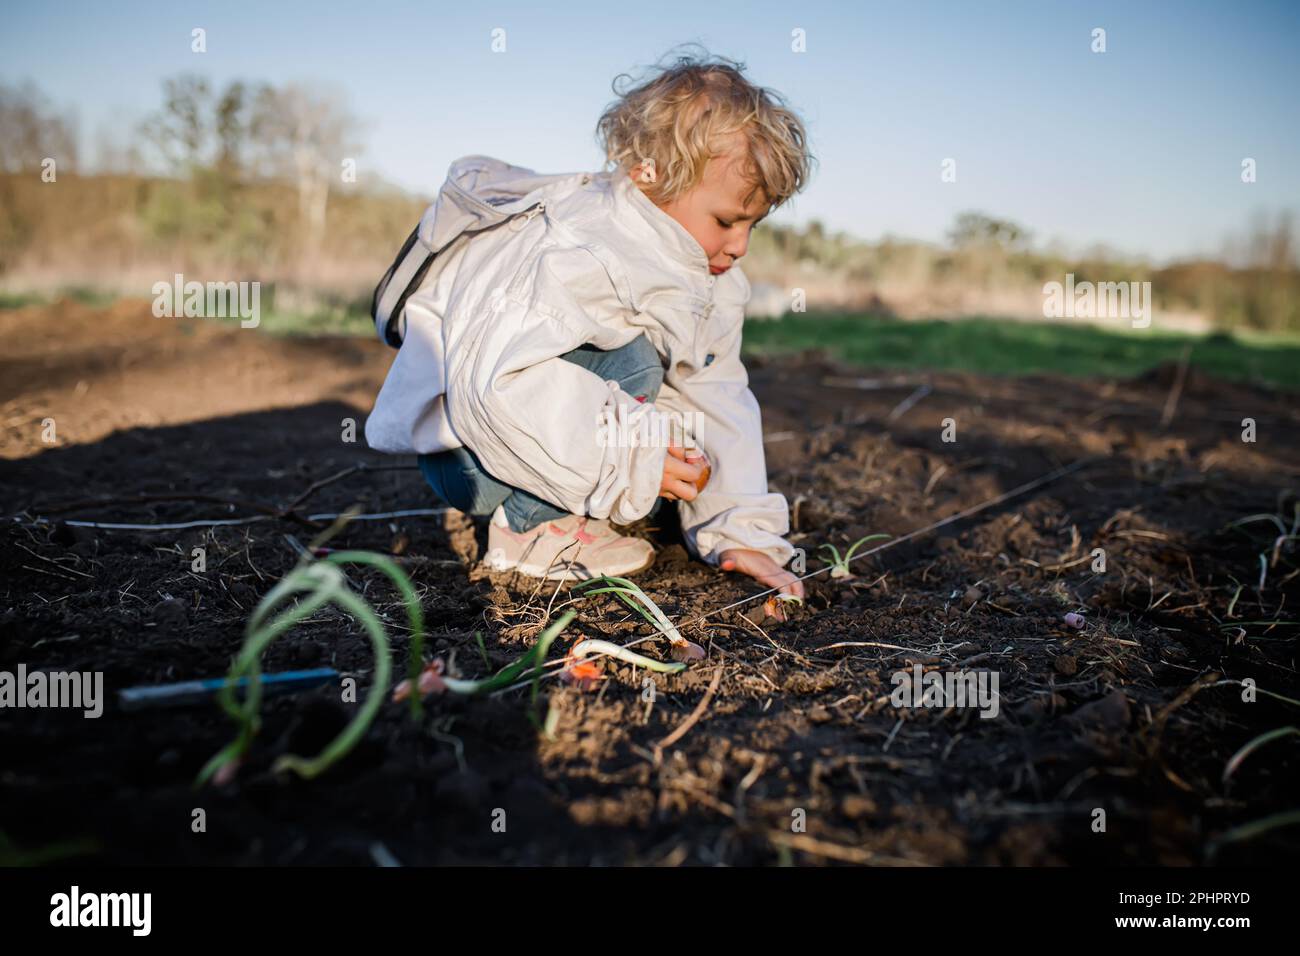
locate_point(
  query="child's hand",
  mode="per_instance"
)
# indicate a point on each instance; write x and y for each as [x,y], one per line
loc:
[762,569]
[681,477]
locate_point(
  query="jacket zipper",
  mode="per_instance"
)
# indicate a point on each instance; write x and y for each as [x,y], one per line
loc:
[528,216]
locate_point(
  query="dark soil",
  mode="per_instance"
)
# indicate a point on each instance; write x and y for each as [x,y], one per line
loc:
[1125,715]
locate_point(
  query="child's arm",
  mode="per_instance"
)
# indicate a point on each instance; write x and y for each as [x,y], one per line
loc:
[735,523]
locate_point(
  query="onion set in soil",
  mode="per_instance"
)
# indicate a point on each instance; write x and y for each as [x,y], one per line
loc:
[840,566]
[632,595]
[323,583]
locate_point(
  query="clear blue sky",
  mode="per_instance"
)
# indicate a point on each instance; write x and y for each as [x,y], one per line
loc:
[1139,148]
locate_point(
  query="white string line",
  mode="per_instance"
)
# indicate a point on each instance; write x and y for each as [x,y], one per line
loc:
[212,522]
[420,512]
[410,513]
[1027,486]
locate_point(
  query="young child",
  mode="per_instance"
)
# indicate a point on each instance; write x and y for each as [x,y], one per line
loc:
[548,324]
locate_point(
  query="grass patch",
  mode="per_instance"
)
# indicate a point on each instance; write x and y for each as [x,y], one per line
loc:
[984,345]
[1004,347]
[322,322]
[331,317]
[289,312]
[18,300]
[82,294]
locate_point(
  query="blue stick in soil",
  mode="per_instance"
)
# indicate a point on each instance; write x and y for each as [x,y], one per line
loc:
[202,691]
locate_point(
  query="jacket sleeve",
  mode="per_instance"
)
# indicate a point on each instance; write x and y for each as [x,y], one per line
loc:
[536,421]
[736,509]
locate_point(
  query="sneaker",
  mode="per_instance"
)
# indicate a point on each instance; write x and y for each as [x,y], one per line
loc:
[545,551]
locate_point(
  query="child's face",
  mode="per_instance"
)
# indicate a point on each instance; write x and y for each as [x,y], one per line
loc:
[714,211]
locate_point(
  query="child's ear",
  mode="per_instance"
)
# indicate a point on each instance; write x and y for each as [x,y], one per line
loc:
[645,172]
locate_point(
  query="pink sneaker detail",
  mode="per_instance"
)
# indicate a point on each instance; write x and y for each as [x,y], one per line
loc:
[578,547]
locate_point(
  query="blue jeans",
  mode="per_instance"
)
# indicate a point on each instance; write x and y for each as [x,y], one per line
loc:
[459,478]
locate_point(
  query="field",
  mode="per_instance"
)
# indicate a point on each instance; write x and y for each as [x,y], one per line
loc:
[1138,713]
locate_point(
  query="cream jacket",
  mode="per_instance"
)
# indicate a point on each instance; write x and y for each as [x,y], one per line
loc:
[526,268]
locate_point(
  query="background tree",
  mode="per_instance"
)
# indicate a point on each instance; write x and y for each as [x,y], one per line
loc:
[303,135]
[976,228]
[199,129]
[31,130]
[232,122]
[181,130]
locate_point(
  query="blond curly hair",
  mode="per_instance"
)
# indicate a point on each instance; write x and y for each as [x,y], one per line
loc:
[693,108]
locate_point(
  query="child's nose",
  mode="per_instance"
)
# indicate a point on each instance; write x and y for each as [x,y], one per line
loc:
[737,247]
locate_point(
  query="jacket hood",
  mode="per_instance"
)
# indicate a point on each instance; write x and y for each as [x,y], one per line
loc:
[480,192]
[646,253]
[604,207]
